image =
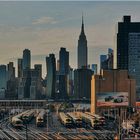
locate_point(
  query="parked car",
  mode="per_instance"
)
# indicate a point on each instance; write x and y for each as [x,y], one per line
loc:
[109,98]
[118,100]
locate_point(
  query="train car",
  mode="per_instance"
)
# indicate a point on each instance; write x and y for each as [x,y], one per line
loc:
[41,118]
[16,121]
[26,117]
[90,120]
[100,119]
[65,119]
[76,120]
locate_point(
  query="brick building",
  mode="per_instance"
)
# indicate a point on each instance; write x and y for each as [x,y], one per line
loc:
[112,81]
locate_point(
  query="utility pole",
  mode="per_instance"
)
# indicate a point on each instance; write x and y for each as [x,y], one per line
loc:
[47,120]
[26,132]
[119,117]
[25,124]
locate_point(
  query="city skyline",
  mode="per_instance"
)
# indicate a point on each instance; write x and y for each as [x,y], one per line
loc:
[44,27]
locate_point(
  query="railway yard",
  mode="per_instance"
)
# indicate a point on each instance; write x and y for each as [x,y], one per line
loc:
[41,124]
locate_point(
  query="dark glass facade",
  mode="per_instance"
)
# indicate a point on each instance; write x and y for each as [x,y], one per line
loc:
[51,75]
[63,61]
[26,59]
[82,83]
[124,28]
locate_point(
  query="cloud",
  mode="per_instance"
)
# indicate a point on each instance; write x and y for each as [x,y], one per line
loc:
[45,20]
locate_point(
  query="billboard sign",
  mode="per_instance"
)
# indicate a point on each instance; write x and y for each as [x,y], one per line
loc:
[112,99]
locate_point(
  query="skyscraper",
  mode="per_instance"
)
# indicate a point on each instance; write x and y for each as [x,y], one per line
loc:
[134,60]
[58,65]
[82,48]
[128,49]
[3,76]
[20,69]
[63,73]
[82,83]
[26,59]
[12,83]
[124,28]
[103,62]
[51,75]
[11,71]
[107,61]
[110,58]
[63,61]
[94,68]
[21,90]
[27,83]
[33,90]
[38,67]
[70,82]
[63,94]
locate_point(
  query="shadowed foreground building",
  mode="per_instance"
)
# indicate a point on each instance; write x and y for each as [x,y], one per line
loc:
[128,49]
[134,60]
[82,83]
[112,81]
[124,28]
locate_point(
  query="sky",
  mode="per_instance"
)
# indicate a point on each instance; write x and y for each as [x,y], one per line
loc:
[45,26]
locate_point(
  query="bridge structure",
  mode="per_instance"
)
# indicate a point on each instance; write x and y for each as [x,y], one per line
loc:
[31,104]
[25,104]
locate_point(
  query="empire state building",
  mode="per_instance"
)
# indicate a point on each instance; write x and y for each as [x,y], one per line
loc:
[82,48]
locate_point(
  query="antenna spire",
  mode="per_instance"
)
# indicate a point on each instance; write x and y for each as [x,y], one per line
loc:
[82,28]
